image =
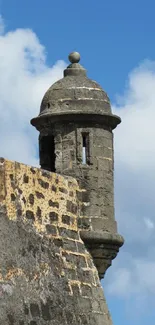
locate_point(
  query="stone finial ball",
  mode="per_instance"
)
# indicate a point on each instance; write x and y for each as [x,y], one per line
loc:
[74,57]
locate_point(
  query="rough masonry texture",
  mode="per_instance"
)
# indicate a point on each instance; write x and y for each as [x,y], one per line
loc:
[47,276]
[58,234]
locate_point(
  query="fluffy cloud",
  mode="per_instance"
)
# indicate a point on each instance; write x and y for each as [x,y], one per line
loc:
[135,155]
[24,78]
[132,274]
[135,137]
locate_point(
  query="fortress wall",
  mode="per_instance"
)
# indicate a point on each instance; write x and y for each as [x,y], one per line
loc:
[46,274]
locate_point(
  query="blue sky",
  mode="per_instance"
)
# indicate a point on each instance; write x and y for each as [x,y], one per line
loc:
[112,36]
[116,42]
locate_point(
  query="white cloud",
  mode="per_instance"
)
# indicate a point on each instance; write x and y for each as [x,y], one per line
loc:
[135,157]
[136,280]
[135,137]
[132,274]
[24,78]
[149,223]
[134,285]
[120,285]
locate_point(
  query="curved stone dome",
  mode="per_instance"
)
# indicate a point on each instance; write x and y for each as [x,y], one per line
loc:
[75,94]
[75,87]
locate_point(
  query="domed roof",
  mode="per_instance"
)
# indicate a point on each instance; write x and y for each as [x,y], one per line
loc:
[61,95]
[75,86]
[74,94]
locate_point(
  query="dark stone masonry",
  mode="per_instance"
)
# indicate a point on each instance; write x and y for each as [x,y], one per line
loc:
[58,233]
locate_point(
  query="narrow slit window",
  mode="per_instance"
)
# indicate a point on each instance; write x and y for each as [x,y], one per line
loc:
[85,149]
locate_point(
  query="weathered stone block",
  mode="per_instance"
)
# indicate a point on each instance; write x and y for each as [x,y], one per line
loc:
[47,274]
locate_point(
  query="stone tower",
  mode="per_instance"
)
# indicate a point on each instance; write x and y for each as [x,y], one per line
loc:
[76,139]
[58,233]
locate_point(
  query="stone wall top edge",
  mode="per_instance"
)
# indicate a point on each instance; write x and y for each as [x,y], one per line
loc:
[5,162]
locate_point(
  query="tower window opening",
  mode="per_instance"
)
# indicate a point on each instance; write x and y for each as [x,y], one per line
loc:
[85,148]
[47,153]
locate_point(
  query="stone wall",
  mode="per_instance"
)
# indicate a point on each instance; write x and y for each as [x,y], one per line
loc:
[46,274]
